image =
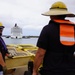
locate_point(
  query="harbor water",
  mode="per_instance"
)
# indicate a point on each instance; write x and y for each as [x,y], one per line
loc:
[21,41]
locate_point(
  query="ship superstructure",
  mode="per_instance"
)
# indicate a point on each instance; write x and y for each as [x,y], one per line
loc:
[16,31]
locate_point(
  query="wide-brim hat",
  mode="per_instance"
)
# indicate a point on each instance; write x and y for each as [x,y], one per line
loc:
[58,8]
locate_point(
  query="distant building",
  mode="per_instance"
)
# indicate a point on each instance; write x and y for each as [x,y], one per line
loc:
[16,32]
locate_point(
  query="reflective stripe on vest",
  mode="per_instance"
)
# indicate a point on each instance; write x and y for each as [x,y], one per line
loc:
[66,32]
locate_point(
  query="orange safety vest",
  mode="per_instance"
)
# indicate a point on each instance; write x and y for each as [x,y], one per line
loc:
[67,32]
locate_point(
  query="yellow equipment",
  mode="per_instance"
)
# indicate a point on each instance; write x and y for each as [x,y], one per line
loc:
[22,53]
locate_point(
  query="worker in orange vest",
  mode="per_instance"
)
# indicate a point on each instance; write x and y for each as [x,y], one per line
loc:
[56,43]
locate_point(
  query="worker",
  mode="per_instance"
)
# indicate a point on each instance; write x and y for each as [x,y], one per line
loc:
[3,52]
[56,43]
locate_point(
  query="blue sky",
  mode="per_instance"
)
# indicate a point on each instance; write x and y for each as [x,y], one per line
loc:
[27,14]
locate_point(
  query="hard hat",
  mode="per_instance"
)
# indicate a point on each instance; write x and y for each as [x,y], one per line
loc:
[1,25]
[58,8]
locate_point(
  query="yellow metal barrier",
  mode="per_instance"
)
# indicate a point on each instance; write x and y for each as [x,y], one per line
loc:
[22,54]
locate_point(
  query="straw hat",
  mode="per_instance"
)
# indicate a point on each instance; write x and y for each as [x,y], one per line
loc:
[58,8]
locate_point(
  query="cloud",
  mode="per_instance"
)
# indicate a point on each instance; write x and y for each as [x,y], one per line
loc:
[27,13]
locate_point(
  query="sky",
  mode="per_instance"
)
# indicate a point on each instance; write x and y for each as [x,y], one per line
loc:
[27,14]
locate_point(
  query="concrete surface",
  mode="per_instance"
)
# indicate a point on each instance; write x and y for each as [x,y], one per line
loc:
[19,71]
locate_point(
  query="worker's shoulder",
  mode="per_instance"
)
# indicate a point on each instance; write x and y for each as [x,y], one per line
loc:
[51,24]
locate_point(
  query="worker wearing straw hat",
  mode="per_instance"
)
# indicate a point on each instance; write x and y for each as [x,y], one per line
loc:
[56,43]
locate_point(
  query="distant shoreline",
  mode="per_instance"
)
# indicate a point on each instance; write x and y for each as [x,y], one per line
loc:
[7,36]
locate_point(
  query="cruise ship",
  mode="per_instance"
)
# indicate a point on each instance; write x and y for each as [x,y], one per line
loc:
[16,32]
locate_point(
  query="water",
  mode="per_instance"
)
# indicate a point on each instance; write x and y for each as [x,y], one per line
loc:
[20,41]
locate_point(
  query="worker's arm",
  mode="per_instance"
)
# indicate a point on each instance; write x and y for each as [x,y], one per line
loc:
[38,60]
[2,61]
[3,64]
